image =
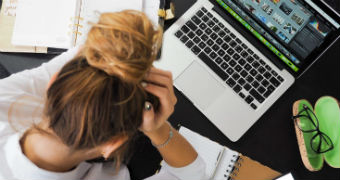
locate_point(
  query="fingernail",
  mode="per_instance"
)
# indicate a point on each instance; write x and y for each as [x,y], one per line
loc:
[144,84]
[148,106]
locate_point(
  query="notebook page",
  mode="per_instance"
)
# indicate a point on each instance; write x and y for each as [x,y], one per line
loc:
[150,8]
[226,164]
[44,23]
[91,10]
[207,149]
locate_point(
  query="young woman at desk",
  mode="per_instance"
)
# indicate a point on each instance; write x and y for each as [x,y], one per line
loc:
[94,103]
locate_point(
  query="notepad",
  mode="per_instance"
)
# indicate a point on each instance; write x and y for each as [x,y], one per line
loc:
[65,23]
[223,163]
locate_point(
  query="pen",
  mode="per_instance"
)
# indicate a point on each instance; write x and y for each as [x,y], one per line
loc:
[219,157]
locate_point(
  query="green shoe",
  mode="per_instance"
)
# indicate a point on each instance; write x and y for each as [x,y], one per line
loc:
[328,112]
[305,131]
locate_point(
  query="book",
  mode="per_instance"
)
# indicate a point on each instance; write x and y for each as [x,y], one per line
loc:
[7,20]
[65,23]
[224,163]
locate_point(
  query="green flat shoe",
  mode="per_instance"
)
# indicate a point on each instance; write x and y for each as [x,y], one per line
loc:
[312,160]
[328,112]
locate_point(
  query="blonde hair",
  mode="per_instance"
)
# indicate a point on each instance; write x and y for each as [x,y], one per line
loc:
[97,95]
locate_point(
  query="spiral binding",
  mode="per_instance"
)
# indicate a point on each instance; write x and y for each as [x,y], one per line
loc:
[236,166]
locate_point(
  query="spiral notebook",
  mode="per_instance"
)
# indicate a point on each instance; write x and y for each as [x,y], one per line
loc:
[65,23]
[223,163]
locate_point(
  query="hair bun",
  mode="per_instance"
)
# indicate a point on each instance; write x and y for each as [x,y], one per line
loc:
[123,44]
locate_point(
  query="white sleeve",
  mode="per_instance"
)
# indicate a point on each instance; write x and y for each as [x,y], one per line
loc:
[193,171]
[34,81]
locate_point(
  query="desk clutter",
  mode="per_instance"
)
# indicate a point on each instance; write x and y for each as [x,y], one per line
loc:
[224,163]
[34,25]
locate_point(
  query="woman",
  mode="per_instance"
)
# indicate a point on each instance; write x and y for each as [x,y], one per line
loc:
[94,102]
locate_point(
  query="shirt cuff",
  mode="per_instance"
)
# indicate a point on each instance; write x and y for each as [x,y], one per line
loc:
[195,170]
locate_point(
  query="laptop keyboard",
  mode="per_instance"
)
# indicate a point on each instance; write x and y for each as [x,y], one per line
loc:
[241,69]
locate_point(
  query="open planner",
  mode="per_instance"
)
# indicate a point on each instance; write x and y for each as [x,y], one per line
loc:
[65,23]
[224,163]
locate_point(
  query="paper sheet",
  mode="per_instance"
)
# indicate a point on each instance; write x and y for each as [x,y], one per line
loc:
[46,23]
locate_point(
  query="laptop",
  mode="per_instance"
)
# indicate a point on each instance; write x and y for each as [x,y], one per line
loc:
[234,58]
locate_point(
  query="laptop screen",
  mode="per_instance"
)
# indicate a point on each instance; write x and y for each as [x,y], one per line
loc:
[291,29]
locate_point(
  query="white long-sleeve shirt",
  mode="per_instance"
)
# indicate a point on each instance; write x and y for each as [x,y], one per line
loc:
[21,101]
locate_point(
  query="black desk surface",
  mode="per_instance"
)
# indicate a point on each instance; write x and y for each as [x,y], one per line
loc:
[272,139]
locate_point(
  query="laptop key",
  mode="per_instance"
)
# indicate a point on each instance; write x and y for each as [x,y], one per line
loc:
[247,67]
[184,38]
[241,95]
[202,45]
[244,46]
[211,23]
[261,69]
[267,93]
[250,51]
[232,44]
[207,50]
[221,52]
[204,37]
[221,34]
[255,64]
[265,83]
[232,63]
[237,88]
[238,40]
[244,54]
[199,32]
[196,20]
[239,49]
[227,38]
[231,82]
[210,42]
[216,28]
[232,35]
[205,18]
[236,57]
[203,26]
[213,36]
[244,73]
[256,57]
[230,51]
[261,89]
[219,41]
[238,68]
[213,55]
[259,77]
[241,81]
[196,50]
[268,67]
[226,58]
[267,75]
[262,62]
[226,30]
[179,33]
[249,99]
[208,31]
[191,25]
[212,65]
[253,72]
[250,59]
[204,10]
[185,29]
[242,62]
[209,14]
[280,78]
[221,25]
[230,71]
[249,79]
[191,35]
[218,60]
[224,65]
[255,84]
[189,44]
[197,40]
[274,73]
[215,20]
[256,95]
[199,13]
[275,82]
[247,87]
[235,76]
[215,47]
[253,106]
[225,46]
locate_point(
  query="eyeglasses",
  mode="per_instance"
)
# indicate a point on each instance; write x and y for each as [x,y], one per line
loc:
[309,123]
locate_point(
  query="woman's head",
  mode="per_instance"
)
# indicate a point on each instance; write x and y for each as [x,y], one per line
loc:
[97,96]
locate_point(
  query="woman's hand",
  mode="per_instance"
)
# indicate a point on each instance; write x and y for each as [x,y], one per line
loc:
[159,83]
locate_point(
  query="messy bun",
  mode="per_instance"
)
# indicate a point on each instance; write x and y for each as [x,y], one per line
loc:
[123,44]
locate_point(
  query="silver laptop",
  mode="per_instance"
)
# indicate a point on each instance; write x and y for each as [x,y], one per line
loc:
[233,74]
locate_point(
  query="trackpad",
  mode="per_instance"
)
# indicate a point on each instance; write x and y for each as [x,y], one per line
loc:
[199,86]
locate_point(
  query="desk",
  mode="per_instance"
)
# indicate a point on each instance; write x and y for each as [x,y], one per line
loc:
[272,139]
